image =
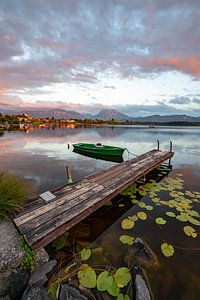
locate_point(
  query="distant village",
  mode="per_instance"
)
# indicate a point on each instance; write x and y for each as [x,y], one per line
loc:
[25,122]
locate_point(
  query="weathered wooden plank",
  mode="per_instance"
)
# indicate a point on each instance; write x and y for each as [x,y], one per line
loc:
[48,215]
[60,220]
[53,205]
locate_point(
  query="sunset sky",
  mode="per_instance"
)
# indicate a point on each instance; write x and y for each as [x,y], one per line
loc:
[141,57]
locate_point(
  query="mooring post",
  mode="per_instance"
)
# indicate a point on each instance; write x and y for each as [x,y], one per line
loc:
[170,149]
[69,176]
[158,144]
[170,146]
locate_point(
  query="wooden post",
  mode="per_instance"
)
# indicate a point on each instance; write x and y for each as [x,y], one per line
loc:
[158,145]
[69,176]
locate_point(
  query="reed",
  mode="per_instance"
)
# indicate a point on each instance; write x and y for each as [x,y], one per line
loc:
[13,194]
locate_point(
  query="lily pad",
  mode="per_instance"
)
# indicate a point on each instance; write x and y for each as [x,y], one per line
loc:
[127,239]
[87,276]
[190,231]
[160,221]
[123,297]
[127,224]
[104,281]
[142,215]
[167,249]
[170,214]
[122,277]
[113,290]
[85,254]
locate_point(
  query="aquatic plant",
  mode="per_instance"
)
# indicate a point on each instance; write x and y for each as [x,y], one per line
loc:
[13,194]
[28,262]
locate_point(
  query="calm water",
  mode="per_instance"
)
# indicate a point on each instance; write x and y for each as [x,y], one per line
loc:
[40,157]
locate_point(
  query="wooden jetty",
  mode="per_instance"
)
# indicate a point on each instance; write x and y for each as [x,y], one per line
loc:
[42,222]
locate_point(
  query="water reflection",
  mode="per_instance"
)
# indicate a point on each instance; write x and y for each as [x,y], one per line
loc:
[42,154]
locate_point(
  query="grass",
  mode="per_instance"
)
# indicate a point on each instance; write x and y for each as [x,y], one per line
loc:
[13,194]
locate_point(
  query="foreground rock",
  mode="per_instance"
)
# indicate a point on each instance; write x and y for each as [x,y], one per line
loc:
[11,254]
[69,292]
[141,288]
[142,254]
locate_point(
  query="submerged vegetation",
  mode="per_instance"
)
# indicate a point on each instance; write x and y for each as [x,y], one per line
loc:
[13,194]
[91,267]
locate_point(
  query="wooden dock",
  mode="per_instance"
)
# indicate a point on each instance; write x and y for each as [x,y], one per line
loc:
[42,222]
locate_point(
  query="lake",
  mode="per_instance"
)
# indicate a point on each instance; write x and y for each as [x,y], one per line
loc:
[40,157]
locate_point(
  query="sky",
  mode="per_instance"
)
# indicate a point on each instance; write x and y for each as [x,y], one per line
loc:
[141,57]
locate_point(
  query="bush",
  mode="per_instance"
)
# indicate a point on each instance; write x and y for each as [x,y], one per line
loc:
[13,194]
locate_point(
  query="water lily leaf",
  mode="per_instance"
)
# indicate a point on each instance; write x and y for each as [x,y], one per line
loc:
[182,217]
[193,221]
[133,218]
[190,231]
[167,249]
[85,254]
[127,224]
[148,207]
[122,277]
[194,213]
[123,297]
[142,215]
[134,201]
[142,193]
[141,204]
[170,214]
[160,221]
[87,276]
[104,281]
[113,290]
[109,203]
[127,239]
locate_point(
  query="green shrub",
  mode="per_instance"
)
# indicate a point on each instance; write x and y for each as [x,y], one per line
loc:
[13,194]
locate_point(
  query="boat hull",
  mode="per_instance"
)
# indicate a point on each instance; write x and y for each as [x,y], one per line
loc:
[101,152]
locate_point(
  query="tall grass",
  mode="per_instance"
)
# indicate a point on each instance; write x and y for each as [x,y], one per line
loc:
[13,194]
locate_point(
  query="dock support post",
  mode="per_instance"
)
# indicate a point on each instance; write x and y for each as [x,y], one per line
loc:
[69,176]
[170,149]
[158,145]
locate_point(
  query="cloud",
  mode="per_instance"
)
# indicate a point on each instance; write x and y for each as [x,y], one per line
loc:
[81,42]
[180,100]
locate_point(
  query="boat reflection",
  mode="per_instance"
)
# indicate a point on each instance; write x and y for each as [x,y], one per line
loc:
[116,158]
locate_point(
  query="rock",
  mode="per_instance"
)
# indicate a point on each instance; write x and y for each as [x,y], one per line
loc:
[11,254]
[18,282]
[140,285]
[35,293]
[143,255]
[69,292]
[39,276]
[13,283]
[41,257]
[4,283]
[5,298]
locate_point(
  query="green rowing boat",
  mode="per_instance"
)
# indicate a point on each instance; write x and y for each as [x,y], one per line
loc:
[98,149]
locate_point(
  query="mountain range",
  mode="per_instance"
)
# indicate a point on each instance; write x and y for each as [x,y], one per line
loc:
[104,114]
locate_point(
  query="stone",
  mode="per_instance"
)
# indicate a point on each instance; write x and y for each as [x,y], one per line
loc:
[13,283]
[69,292]
[35,293]
[41,257]
[11,254]
[17,285]
[39,276]
[7,297]
[140,285]
[143,255]
[4,282]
